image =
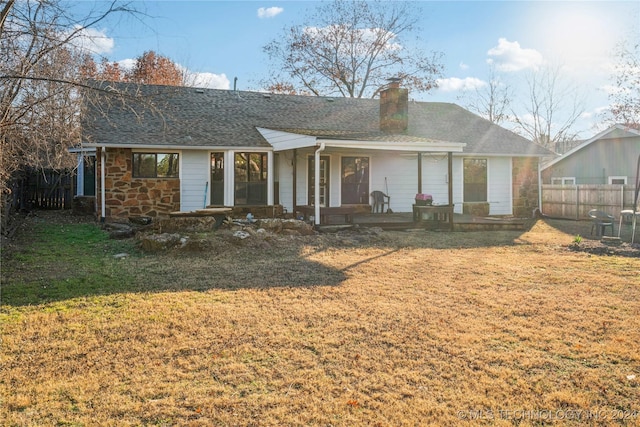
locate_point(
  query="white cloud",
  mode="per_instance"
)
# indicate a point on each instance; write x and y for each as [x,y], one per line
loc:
[92,40]
[208,80]
[269,12]
[127,64]
[464,66]
[509,56]
[454,84]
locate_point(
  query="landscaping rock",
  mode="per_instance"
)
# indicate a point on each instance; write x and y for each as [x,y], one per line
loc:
[159,242]
[301,227]
[118,230]
[271,225]
[140,220]
[241,234]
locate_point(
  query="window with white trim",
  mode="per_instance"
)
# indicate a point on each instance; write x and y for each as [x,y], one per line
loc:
[565,180]
[155,165]
[618,180]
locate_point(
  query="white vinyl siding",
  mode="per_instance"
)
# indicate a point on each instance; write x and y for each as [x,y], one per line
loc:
[194,171]
[435,177]
[396,175]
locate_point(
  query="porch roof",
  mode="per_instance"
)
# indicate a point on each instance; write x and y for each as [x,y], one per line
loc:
[284,140]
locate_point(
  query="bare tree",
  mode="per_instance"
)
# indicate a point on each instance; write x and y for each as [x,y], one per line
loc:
[551,111]
[41,70]
[351,48]
[625,99]
[491,101]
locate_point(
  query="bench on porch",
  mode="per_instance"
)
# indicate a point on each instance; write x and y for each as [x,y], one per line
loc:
[346,211]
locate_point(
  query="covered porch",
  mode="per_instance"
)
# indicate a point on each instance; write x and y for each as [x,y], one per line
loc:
[396,156]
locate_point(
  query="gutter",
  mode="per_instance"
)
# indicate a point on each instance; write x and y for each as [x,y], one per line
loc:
[316,187]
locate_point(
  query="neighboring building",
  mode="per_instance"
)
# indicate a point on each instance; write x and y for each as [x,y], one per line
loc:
[608,158]
[190,148]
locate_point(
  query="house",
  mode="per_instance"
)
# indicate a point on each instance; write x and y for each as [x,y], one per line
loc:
[608,158]
[183,149]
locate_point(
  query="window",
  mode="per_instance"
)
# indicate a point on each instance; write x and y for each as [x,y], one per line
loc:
[355,180]
[475,180]
[250,171]
[155,165]
[563,181]
[618,180]
[324,181]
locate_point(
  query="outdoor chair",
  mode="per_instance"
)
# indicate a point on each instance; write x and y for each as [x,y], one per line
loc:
[379,200]
[600,221]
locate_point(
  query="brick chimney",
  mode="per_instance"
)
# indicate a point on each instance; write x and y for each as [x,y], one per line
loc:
[394,108]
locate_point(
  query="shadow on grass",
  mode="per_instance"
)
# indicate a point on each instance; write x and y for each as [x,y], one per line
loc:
[57,262]
[139,273]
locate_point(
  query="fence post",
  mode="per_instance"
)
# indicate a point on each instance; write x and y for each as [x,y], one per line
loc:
[577,202]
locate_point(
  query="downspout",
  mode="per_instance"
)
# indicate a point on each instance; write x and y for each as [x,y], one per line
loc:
[419,172]
[103,203]
[316,187]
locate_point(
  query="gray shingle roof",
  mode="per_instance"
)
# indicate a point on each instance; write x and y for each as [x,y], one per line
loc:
[184,116]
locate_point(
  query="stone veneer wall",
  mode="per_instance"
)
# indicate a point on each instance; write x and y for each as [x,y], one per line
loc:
[130,197]
[525,186]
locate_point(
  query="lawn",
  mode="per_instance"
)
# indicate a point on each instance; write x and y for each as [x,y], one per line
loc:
[402,328]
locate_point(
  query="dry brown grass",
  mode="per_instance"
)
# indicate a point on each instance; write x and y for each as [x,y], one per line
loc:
[407,329]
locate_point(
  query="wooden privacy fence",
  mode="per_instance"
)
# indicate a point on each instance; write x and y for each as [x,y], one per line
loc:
[575,201]
[49,189]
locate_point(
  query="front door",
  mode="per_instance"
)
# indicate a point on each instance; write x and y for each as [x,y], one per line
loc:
[217,179]
[324,181]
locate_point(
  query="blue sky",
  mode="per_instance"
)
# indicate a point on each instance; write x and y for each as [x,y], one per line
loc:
[222,40]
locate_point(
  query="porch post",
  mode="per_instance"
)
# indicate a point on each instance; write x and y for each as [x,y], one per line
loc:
[316,186]
[295,182]
[419,172]
[450,170]
[270,178]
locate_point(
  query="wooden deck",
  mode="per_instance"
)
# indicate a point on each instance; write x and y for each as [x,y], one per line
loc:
[405,221]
